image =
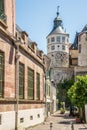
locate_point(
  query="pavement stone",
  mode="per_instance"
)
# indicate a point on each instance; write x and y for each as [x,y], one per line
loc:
[60,122]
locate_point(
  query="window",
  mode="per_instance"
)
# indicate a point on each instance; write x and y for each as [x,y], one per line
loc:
[48,90]
[38,115]
[63,47]
[48,40]
[2,15]
[52,39]
[1,6]
[37,86]
[67,40]
[30,84]
[1,74]
[63,39]
[86,36]
[31,117]
[79,48]
[21,80]
[79,38]
[58,39]
[52,47]
[21,120]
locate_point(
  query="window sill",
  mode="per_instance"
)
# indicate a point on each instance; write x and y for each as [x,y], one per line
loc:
[3,24]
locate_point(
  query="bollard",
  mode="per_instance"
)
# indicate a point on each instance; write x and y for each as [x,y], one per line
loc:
[51,125]
[72,126]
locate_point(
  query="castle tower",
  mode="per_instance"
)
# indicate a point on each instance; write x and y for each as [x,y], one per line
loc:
[58,49]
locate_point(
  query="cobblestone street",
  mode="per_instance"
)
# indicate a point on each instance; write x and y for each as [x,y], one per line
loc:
[60,122]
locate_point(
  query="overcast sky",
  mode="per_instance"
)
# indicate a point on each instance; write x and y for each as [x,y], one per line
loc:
[36,17]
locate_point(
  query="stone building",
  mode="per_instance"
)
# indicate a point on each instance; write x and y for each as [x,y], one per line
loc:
[50,90]
[22,100]
[81,69]
[58,52]
[73,52]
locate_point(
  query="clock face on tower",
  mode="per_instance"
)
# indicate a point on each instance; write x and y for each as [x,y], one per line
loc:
[61,57]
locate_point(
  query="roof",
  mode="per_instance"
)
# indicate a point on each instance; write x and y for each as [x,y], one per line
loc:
[84,29]
[74,46]
[57,30]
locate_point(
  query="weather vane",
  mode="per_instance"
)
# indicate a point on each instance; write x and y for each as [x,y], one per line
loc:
[58,10]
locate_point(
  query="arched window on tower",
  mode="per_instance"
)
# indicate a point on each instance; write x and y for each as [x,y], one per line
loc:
[58,39]
[52,39]
[63,47]
[63,39]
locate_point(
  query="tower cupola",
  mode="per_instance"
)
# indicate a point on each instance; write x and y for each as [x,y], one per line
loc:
[57,20]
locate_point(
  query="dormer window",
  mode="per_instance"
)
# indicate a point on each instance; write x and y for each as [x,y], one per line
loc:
[52,39]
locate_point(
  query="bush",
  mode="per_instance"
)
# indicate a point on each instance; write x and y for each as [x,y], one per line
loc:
[62,110]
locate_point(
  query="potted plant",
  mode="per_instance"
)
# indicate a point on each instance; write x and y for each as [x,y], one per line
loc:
[62,110]
[78,120]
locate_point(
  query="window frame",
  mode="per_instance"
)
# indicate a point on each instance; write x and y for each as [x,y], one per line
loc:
[2,89]
[53,47]
[79,48]
[30,97]
[21,96]
[52,39]
[63,47]
[37,86]
[58,39]
[63,39]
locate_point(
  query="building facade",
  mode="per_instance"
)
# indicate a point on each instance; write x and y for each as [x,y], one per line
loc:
[81,69]
[22,101]
[50,89]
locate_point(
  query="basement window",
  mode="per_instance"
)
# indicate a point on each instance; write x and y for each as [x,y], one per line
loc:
[21,120]
[31,117]
[38,115]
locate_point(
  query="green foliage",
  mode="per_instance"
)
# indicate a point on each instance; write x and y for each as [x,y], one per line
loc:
[78,92]
[62,110]
[62,89]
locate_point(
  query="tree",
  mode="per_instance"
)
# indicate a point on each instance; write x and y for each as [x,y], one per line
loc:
[78,92]
[62,88]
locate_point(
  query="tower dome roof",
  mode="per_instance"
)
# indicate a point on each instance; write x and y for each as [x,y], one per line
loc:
[58,27]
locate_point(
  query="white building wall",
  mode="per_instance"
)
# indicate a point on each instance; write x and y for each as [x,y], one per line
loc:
[8,119]
[86,112]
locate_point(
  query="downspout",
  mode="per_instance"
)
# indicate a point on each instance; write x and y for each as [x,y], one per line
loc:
[17,84]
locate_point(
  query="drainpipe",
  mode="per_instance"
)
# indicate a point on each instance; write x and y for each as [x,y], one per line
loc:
[17,84]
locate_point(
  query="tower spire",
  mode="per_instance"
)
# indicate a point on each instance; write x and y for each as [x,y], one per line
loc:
[58,10]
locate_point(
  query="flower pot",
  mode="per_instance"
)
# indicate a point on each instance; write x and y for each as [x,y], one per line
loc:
[78,120]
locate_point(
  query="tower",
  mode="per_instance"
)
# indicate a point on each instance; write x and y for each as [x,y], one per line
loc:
[58,50]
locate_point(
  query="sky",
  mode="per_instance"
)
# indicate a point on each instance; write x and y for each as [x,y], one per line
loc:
[36,18]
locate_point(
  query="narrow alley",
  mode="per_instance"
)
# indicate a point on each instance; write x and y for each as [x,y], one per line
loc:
[60,122]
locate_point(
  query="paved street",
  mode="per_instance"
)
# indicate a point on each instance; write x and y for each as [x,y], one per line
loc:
[60,122]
